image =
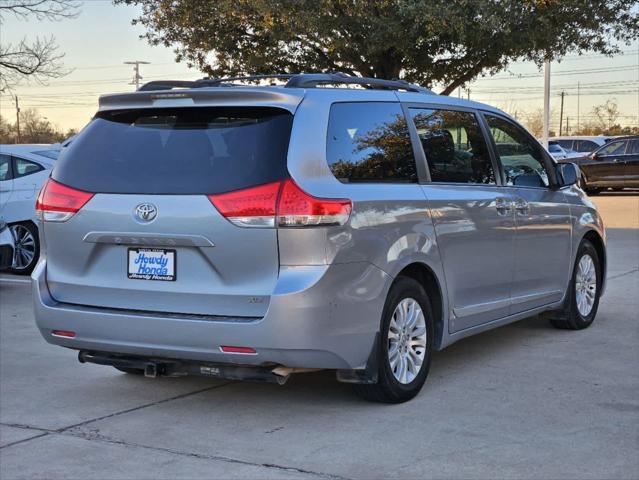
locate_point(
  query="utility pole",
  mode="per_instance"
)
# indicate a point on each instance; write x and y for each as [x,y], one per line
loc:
[567,125]
[546,103]
[468,94]
[136,72]
[561,113]
[18,139]
[578,107]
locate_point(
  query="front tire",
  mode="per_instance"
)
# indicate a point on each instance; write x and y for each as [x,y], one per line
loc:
[406,341]
[27,247]
[584,290]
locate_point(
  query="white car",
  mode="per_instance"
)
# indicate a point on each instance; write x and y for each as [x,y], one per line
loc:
[558,152]
[582,145]
[23,171]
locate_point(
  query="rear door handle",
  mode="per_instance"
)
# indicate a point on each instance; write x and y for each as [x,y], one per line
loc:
[521,206]
[503,205]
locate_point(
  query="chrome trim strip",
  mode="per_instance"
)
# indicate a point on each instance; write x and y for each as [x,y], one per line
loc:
[148,239]
[489,306]
[480,308]
[534,296]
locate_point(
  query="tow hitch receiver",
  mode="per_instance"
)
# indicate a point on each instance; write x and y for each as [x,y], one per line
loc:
[164,367]
[151,370]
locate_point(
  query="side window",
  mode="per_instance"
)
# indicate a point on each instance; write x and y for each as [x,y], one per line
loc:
[5,170]
[521,157]
[586,146]
[613,148]
[633,148]
[25,167]
[369,142]
[454,146]
[567,144]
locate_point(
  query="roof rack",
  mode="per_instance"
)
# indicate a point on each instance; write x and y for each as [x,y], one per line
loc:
[312,80]
[293,80]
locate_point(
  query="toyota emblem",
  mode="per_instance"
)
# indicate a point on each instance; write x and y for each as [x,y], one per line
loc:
[145,212]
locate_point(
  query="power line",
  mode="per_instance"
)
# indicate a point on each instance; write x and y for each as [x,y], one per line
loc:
[586,71]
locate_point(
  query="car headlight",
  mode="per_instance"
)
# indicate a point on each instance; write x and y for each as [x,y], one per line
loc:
[3,225]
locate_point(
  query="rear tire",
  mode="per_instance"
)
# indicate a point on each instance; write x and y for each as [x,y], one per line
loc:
[583,184]
[131,371]
[582,297]
[403,356]
[27,249]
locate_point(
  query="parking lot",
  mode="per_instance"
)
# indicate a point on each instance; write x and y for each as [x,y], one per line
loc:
[521,401]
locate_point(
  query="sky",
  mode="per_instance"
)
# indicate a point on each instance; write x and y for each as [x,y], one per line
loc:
[101,38]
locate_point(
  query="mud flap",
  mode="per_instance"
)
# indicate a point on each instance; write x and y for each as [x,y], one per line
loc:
[367,375]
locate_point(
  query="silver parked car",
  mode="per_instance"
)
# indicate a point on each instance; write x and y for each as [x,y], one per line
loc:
[250,232]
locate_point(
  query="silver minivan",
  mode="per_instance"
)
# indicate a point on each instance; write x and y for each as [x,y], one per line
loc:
[331,222]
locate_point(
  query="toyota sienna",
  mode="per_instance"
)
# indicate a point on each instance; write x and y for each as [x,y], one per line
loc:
[331,222]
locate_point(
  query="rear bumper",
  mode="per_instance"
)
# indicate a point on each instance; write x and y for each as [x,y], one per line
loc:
[319,317]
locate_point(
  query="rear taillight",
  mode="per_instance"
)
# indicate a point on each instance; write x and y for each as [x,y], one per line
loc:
[280,203]
[252,207]
[296,208]
[58,203]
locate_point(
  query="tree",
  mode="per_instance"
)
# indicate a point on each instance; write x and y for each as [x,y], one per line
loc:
[34,128]
[534,122]
[6,131]
[606,114]
[37,59]
[425,41]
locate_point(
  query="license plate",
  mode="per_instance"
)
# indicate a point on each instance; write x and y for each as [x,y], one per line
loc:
[152,264]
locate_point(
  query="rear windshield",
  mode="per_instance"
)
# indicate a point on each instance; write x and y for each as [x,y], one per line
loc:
[178,151]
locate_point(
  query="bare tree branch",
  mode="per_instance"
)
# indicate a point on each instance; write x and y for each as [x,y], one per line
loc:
[38,59]
[40,9]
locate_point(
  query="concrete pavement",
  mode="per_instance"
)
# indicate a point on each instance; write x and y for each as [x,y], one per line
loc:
[522,401]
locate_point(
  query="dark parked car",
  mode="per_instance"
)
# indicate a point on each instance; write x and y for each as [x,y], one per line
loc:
[613,165]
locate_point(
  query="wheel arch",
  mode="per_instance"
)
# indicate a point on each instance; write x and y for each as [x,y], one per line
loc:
[425,275]
[597,241]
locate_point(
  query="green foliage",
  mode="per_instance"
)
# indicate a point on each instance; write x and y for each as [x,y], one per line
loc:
[447,42]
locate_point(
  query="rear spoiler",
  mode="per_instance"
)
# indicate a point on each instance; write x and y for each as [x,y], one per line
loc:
[285,98]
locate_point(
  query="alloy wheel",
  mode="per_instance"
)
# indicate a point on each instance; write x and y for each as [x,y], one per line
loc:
[586,285]
[25,247]
[407,340]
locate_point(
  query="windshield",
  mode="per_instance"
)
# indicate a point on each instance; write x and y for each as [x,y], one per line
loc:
[203,150]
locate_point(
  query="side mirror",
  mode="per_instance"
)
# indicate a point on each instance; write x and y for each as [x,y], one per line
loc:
[569,173]
[594,156]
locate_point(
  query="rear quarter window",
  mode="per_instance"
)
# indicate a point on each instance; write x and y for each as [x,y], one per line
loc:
[203,150]
[586,146]
[25,167]
[369,142]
